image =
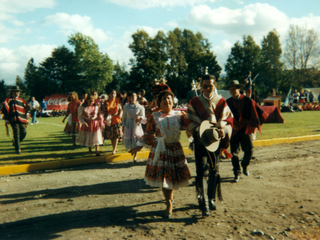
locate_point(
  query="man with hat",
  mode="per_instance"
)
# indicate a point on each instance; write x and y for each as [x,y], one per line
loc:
[211,107]
[15,111]
[247,116]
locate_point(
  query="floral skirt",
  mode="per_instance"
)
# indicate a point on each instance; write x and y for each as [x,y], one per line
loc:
[171,171]
[113,131]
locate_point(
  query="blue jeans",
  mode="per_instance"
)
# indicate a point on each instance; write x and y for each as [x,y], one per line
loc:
[33,115]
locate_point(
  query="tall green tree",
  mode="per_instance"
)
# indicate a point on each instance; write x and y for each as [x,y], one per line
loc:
[35,81]
[179,56]
[3,91]
[94,68]
[60,71]
[243,58]
[120,80]
[271,67]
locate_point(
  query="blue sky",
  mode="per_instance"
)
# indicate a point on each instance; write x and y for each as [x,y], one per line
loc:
[33,28]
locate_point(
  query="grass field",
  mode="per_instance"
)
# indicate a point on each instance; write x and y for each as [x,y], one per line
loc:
[46,142]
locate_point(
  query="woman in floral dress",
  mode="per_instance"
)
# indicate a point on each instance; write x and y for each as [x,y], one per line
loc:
[90,133]
[167,166]
[112,115]
[133,117]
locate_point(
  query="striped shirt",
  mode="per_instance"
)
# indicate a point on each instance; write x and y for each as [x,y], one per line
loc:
[15,110]
[215,110]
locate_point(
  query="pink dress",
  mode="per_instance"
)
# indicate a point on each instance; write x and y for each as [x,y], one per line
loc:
[89,136]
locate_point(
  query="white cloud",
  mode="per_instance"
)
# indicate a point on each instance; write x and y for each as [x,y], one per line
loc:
[16,6]
[222,52]
[120,51]
[144,4]
[8,9]
[77,23]
[257,19]
[14,61]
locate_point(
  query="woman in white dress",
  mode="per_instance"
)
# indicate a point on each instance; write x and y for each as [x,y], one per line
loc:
[167,166]
[133,117]
[90,134]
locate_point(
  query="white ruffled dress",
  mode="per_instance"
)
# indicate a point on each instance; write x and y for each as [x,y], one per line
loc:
[167,166]
[132,130]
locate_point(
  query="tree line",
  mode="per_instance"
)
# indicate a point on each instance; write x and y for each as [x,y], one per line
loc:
[179,56]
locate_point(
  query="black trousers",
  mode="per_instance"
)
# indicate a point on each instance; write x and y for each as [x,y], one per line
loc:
[241,141]
[207,169]
[19,133]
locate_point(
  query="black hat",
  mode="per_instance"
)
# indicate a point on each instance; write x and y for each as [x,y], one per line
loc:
[234,83]
[15,89]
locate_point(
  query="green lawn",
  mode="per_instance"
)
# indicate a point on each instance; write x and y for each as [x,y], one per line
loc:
[46,142]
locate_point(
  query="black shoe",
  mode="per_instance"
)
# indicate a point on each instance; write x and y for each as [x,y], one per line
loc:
[245,170]
[236,178]
[200,202]
[212,205]
[205,211]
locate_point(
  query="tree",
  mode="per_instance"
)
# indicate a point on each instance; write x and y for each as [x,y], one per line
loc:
[243,58]
[94,68]
[35,81]
[179,56]
[3,91]
[22,86]
[120,80]
[302,53]
[271,67]
[60,71]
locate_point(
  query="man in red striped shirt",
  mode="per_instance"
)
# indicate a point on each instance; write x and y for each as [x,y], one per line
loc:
[213,107]
[15,111]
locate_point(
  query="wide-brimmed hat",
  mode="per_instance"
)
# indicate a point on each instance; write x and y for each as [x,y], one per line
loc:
[234,83]
[209,135]
[15,89]
[162,80]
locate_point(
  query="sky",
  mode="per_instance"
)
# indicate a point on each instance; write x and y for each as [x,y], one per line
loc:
[33,28]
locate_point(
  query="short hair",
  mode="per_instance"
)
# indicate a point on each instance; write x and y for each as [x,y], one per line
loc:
[208,77]
[164,93]
[130,94]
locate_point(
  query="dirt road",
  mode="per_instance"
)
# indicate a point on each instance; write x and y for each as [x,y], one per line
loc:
[279,200]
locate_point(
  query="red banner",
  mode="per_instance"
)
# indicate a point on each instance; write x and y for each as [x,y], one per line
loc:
[57,102]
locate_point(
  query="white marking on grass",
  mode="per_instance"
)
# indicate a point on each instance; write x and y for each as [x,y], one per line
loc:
[53,124]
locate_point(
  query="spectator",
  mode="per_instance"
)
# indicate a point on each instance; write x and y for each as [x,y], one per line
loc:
[43,106]
[34,106]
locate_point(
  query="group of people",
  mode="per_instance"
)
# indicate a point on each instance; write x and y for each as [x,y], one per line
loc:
[115,118]
[158,126]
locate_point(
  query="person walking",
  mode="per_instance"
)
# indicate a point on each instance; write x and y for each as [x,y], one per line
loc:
[112,111]
[72,126]
[90,134]
[133,118]
[15,111]
[247,117]
[167,166]
[34,106]
[212,107]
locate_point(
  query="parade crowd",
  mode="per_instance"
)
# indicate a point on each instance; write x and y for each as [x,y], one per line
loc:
[212,124]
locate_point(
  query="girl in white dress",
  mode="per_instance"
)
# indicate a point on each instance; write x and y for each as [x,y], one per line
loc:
[90,132]
[133,117]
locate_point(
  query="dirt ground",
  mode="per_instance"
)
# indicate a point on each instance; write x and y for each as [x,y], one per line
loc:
[279,200]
